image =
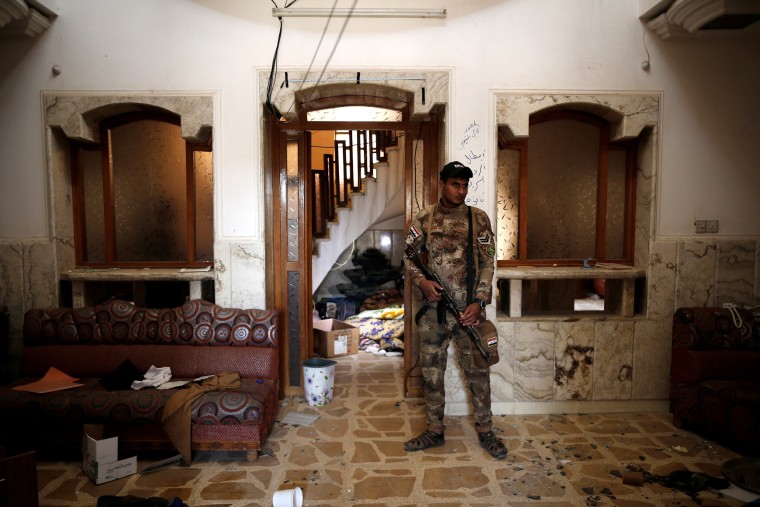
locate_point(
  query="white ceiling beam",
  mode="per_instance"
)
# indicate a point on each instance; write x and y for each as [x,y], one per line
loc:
[365,12]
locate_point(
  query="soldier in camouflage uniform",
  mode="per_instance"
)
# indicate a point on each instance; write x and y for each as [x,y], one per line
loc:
[442,230]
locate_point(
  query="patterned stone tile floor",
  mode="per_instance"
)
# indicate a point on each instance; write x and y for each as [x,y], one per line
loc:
[352,455]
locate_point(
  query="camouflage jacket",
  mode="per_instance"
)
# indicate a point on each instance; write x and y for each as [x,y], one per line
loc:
[442,232]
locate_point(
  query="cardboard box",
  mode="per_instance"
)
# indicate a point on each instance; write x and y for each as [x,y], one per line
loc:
[100,457]
[333,337]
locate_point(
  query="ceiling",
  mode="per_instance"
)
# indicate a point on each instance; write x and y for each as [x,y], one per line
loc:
[735,20]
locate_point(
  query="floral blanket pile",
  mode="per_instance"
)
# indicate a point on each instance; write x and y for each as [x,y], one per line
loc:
[381,329]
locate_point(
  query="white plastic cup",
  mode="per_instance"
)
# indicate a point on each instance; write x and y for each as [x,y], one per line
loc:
[288,498]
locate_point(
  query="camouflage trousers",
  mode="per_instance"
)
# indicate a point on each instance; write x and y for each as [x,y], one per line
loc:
[434,342]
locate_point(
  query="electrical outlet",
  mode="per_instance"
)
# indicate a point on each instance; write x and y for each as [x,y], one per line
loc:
[700,226]
[712,226]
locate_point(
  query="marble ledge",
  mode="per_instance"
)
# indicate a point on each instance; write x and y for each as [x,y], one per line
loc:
[132,274]
[568,316]
[523,299]
[569,272]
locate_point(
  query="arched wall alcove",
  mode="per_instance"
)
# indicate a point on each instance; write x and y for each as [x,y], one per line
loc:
[630,115]
[76,117]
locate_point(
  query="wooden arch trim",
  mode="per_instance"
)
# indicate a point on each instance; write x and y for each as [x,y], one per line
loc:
[346,94]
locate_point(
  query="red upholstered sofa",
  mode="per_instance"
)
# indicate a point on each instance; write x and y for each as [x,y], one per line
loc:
[91,343]
[715,376]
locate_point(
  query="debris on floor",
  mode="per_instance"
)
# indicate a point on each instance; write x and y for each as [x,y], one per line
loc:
[691,483]
[299,419]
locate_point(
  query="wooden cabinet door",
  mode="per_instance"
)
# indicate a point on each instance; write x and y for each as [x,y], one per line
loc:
[18,481]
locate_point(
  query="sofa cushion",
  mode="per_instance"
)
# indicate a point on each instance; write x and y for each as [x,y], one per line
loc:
[700,365]
[196,322]
[729,411]
[711,328]
[93,403]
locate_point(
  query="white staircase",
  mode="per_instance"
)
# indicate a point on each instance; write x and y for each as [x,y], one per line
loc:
[382,199]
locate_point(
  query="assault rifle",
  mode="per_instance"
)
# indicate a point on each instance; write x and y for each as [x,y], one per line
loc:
[451,305]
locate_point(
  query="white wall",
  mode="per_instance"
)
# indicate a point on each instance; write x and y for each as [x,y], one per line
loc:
[710,150]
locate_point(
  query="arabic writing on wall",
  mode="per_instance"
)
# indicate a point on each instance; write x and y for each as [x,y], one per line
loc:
[474,158]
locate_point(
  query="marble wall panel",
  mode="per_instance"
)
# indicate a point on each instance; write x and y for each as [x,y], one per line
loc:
[734,277]
[651,359]
[506,204]
[695,274]
[574,360]
[222,273]
[12,290]
[247,280]
[661,280]
[613,360]
[27,280]
[534,361]
[503,372]
[455,385]
[40,276]
[61,201]
[645,200]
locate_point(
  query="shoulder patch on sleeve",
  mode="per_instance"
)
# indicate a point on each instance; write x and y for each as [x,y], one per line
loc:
[414,233]
[485,239]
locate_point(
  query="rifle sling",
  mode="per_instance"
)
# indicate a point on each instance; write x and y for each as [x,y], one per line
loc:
[470,262]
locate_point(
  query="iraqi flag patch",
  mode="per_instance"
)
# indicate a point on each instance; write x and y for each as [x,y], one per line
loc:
[414,232]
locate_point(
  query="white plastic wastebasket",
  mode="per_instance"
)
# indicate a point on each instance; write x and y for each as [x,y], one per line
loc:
[318,381]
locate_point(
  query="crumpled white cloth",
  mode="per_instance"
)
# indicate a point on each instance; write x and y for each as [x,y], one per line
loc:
[153,377]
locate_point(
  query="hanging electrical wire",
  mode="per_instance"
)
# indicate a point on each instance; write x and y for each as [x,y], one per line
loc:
[314,57]
[272,72]
[319,44]
[414,162]
[335,46]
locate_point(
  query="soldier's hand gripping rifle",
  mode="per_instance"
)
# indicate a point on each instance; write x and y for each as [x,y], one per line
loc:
[451,305]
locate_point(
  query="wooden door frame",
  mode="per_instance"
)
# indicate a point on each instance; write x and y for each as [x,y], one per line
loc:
[294,352]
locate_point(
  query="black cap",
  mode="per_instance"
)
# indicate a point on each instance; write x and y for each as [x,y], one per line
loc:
[455,170]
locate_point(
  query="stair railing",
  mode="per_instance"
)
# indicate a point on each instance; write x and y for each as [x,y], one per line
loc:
[356,153]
